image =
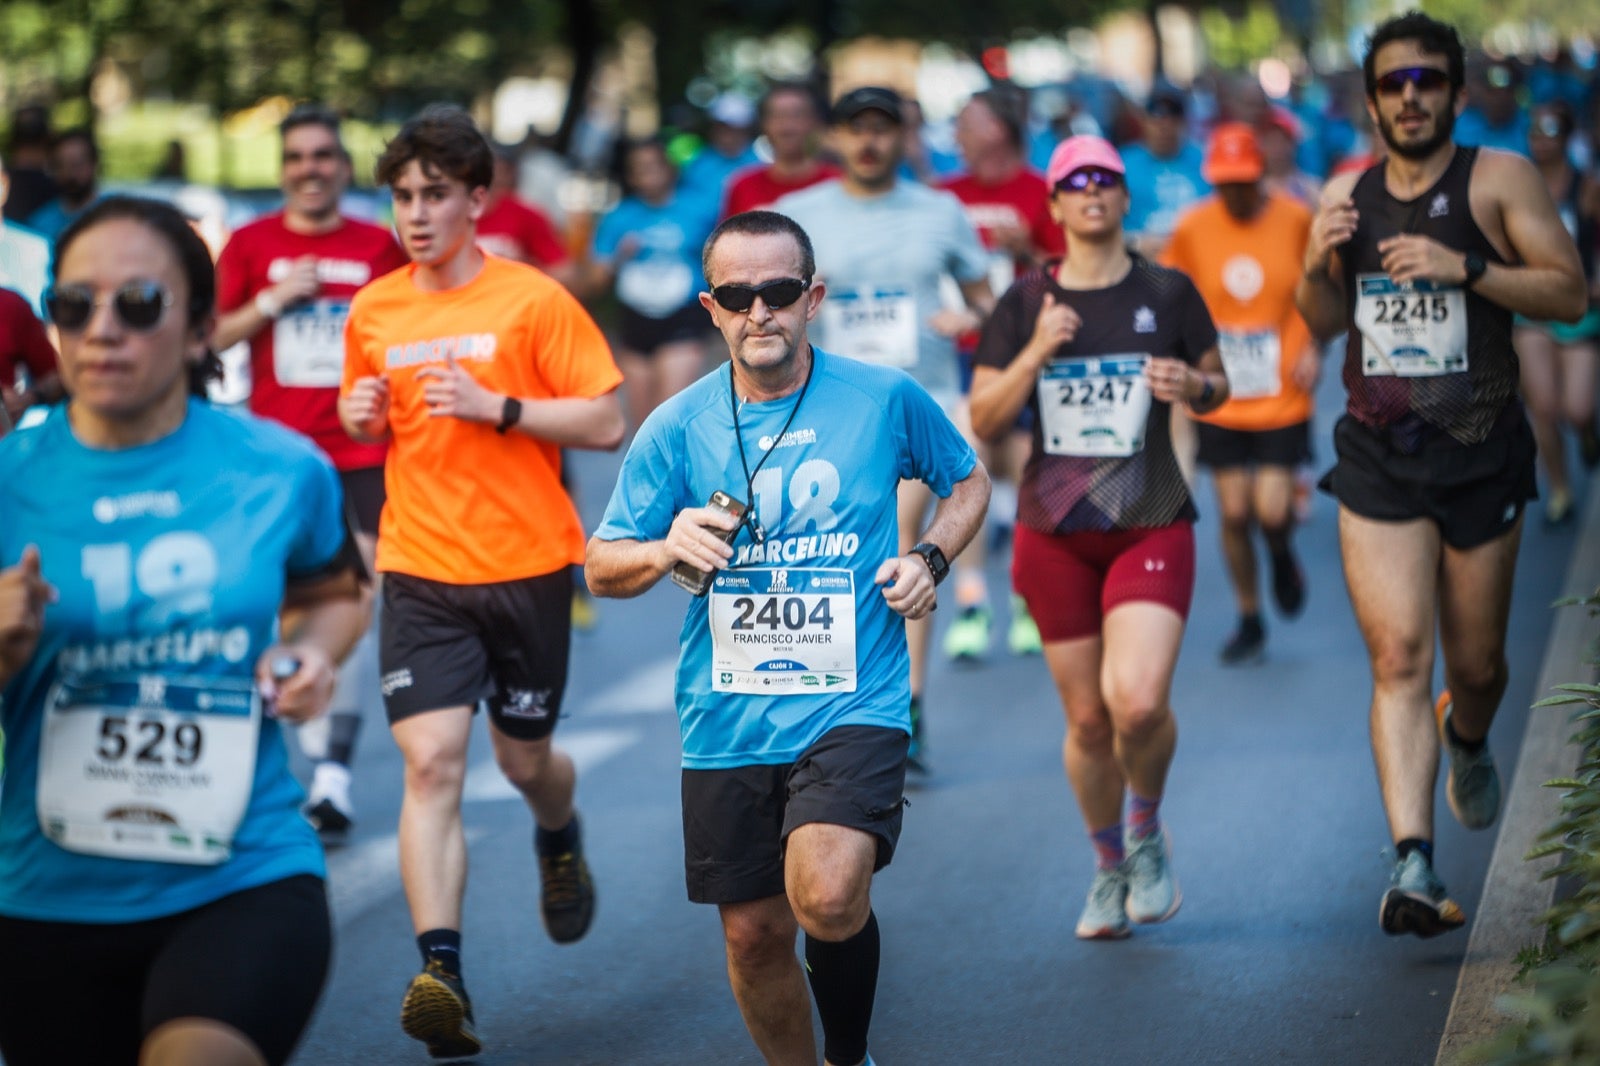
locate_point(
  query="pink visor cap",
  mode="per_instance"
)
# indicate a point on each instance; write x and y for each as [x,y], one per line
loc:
[1081,151]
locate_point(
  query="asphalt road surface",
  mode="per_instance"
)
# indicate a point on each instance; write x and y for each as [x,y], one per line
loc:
[1275,957]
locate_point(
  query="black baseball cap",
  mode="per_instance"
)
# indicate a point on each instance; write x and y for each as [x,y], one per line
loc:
[1166,99]
[867,98]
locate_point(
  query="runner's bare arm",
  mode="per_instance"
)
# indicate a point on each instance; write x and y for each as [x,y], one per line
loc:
[321,621]
[980,302]
[24,594]
[364,409]
[625,568]
[997,395]
[1320,292]
[246,321]
[575,422]
[1549,283]
[959,516]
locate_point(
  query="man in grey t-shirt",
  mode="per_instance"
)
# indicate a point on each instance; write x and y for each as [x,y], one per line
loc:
[884,246]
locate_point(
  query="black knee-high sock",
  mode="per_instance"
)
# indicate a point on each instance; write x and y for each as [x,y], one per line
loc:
[343,728]
[844,982]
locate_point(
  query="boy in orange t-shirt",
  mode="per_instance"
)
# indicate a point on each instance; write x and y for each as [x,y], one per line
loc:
[478,371]
[1243,247]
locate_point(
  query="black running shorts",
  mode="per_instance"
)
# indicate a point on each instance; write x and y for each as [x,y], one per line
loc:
[1222,448]
[643,334]
[1473,492]
[78,993]
[735,821]
[363,498]
[506,642]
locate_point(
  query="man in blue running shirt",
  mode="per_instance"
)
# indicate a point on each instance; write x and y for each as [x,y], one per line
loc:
[793,687]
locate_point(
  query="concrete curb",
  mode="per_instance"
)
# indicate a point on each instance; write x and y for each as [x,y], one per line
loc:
[1513,894]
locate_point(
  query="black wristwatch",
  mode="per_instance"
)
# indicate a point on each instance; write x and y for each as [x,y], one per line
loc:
[510,414]
[1474,266]
[938,565]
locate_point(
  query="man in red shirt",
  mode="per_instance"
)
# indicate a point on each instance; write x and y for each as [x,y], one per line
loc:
[792,125]
[284,284]
[514,229]
[1008,203]
[24,346]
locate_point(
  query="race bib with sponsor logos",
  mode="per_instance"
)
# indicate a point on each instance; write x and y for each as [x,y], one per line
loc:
[1416,330]
[1095,407]
[148,765]
[783,632]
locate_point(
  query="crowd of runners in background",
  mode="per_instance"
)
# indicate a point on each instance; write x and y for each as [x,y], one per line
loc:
[1078,314]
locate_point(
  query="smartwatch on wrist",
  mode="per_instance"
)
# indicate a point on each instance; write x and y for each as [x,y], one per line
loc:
[938,565]
[510,414]
[1474,266]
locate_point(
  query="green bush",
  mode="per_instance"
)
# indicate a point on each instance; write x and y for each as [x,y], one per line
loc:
[1558,1010]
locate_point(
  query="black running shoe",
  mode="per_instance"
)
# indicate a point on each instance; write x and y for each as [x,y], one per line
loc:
[1288,584]
[1589,446]
[332,824]
[1247,645]
[567,892]
[437,1012]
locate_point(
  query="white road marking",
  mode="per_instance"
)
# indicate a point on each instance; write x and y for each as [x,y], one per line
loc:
[646,690]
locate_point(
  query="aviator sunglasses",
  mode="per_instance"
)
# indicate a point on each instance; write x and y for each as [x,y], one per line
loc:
[1426,79]
[139,304]
[775,294]
[1080,180]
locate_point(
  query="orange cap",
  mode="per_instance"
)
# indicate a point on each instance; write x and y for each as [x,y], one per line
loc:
[1233,155]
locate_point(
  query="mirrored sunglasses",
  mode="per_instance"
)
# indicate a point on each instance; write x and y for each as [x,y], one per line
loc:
[775,294]
[139,304]
[1081,179]
[1426,79]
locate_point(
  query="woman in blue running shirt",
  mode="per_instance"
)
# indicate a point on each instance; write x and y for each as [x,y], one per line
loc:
[173,581]
[648,248]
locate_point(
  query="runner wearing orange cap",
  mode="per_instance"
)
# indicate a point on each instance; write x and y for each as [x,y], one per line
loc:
[1242,246]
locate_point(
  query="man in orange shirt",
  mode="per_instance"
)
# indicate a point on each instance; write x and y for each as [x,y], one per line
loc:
[478,370]
[1243,247]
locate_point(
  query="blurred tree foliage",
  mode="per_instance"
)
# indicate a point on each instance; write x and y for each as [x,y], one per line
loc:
[383,58]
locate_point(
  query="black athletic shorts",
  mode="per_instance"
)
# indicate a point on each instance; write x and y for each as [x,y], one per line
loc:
[73,992]
[643,334]
[363,497]
[1473,492]
[1222,448]
[736,821]
[505,642]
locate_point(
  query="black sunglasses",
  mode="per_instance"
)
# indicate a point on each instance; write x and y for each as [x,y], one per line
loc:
[1426,79]
[139,304]
[775,294]
[1081,179]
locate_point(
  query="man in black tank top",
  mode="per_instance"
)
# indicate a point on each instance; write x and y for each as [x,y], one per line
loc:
[1423,259]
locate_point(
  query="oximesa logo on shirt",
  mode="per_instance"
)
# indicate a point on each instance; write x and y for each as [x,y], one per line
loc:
[788,440]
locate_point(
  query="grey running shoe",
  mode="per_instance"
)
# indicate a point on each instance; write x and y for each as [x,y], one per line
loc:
[1153,894]
[1473,784]
[437,1012]
[1416,901]
[1105,916]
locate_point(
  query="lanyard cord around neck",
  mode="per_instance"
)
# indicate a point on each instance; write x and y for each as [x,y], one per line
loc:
[738,435]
